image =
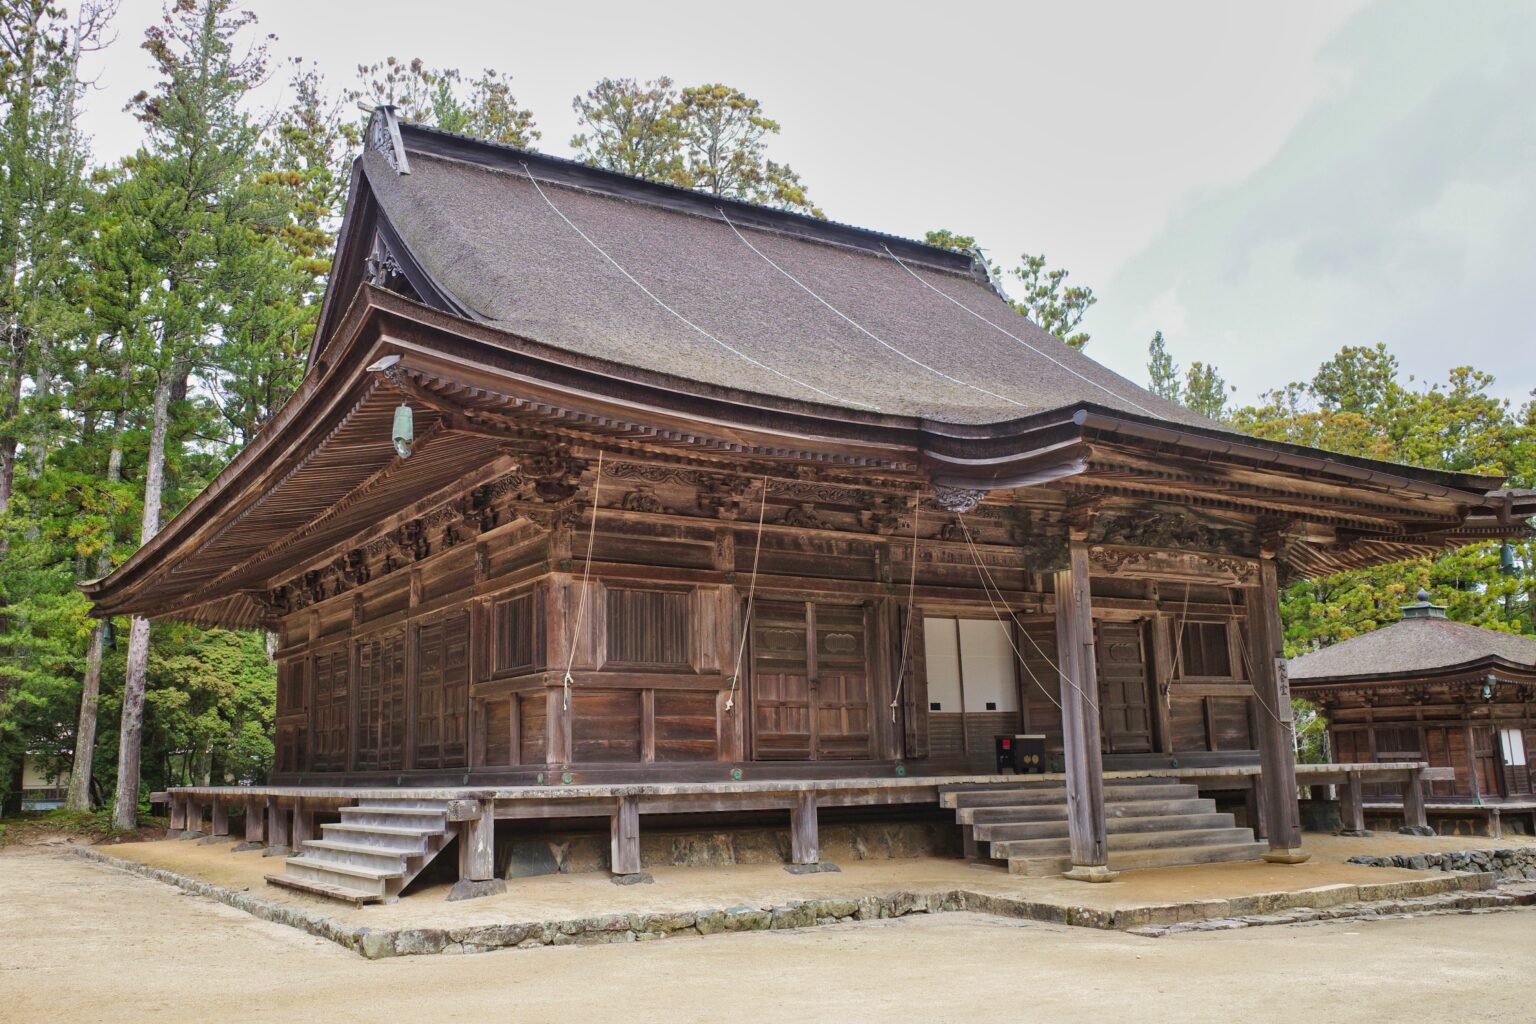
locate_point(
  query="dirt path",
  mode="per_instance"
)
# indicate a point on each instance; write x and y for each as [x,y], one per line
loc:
[83,943]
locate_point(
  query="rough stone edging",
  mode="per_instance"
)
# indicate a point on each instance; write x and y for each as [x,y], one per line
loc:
[1507,863]
[375,943]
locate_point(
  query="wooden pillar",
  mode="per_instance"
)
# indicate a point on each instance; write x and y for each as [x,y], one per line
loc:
[624,829]
[255,820]
[277,826]
[220,826]
[178,813]
[1277,743]
[194,818]
[1352,804]
[477,845]
[1495,823]
[804,834]
[1080,720]
[303,824]
[1415,817]
[1255,807]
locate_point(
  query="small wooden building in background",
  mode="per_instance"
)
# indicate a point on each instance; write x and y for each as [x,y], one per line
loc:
[1426,688]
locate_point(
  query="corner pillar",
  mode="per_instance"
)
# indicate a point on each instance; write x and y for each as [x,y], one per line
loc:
[1277,727]
[1080,720]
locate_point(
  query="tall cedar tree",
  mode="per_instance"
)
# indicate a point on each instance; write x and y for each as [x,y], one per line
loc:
[188,200]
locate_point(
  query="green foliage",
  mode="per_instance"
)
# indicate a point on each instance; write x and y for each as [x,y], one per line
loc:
[631,128]
[1162,370]
[713,138]
[1037,291]
[483,107]
[1359,404]
[1043,295]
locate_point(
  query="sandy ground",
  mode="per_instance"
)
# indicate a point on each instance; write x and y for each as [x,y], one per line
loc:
[560,897]
[83,943]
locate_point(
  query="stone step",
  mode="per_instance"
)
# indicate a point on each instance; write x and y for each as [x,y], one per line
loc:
[384,837]
[403,801]
[331,851]
[344,876]
[993,831]
[345,894]
[1057,793]
[1059,845]
[1040,811]
[1000,834]
[1128,860]
[424,819]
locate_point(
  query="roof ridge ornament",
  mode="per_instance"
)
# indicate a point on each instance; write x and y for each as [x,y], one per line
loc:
[384,137]
[1424,608]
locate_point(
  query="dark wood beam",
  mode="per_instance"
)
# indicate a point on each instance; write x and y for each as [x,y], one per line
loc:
[1277,729]
[1080,720]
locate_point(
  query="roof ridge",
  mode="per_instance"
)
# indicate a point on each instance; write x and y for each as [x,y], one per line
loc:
[814,226]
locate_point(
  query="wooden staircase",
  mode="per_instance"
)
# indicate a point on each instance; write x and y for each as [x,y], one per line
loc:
[372,854]
[1149,823]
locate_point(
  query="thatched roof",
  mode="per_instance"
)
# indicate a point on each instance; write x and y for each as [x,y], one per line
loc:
[894,326]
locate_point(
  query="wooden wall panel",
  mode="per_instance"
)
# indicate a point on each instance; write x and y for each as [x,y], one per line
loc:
[381,702]
[1229,717]
[329,706]
[497,719]
[606,726]
[687,725]
[1040,680]
[290,687]
[532,718]
[441,693]
[1186,720]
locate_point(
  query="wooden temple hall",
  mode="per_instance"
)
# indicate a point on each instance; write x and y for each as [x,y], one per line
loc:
[607,503]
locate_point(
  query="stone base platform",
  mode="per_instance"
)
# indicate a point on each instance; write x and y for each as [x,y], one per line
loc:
[586,908]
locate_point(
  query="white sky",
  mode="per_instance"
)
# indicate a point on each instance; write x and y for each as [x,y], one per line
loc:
[1264,183]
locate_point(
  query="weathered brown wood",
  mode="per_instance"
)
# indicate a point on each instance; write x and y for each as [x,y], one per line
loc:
[1415,817]
[477,843]
[178,817]
[1080,720]
[219,826]
[255,820]
[1352,805]
[804,835]
[1277,740]
[195,811]
[303,823]
[277,825]
[624,835]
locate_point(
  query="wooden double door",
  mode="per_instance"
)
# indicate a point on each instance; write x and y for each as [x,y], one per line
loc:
[810,681]
[1125,707]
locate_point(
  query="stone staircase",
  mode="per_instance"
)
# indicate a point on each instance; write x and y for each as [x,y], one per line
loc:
[1149,823]
[375,851]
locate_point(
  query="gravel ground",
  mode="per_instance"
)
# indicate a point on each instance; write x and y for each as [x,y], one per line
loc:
[88,944]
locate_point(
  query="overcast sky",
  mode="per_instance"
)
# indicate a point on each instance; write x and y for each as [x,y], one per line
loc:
[1262,182]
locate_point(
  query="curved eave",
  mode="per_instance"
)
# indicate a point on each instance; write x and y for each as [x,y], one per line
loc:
[1512,671]
[610,404]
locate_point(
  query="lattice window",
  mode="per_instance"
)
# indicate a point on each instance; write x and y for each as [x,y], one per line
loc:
[649,627]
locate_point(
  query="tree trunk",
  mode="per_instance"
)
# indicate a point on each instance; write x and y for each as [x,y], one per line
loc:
[79,798]
[125,809]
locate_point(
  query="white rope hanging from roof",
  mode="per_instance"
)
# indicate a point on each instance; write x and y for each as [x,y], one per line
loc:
[746,619]
[838,399]
[860,327]
[1038,351]
[586,577]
